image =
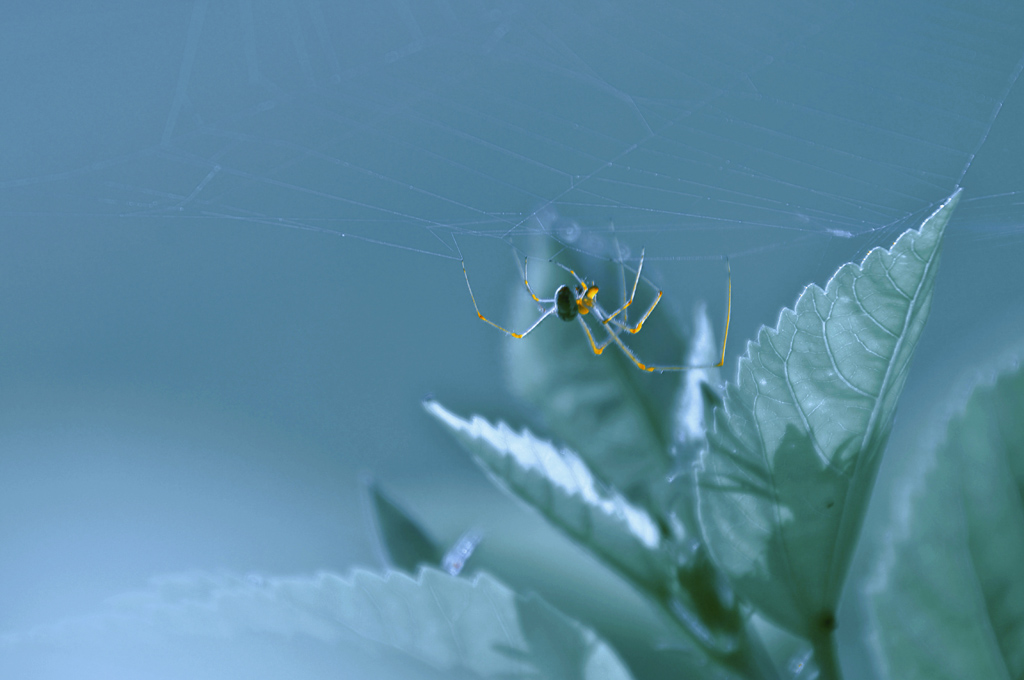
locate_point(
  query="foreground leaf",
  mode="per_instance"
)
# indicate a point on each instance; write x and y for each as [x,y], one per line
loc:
[450,623]
[795,447]
[559,485]
[947,597]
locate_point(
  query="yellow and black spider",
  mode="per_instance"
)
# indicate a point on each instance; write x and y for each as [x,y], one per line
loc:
[581,300]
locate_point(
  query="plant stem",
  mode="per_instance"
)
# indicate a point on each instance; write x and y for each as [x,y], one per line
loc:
[748,658]
[825,656]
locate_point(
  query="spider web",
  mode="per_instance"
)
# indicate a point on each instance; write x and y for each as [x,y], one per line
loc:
[694,132]
[391,142]
[257,209]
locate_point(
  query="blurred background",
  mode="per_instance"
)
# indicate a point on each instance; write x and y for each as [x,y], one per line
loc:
[231,232]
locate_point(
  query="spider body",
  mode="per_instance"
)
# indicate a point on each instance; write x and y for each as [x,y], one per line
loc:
[570,304]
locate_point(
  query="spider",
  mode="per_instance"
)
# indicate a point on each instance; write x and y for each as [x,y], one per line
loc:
[576,302]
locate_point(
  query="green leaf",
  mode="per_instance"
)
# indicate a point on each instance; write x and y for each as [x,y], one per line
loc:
[947,597]
[561,648]
[616,417]
[447,622]
[674,574]
[559,485]
[405,544]
[479,625]
[794,449]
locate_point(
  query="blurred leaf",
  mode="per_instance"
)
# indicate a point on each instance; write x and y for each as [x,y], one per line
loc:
[616,417]
[698,385]
[947,598]
[561,648]
[405,544]
[449,623]
[700,392]
[453,622]
[795,448]
[558,485]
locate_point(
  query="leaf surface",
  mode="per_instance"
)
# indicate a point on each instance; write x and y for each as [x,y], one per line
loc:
[558,484]
[447,622]
[947,596]
[795,446]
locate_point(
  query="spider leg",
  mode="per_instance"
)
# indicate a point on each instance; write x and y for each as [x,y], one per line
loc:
[548,312]
[626,303]
[639,324]
[526,280]
[519,336]
[622,286]
[622,273]
[574,274]
[593,345]
[614,337]
[629,353]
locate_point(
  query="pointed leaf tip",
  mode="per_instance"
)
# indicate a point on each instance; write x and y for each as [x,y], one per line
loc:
[404,543]
[795,447]
[558,484]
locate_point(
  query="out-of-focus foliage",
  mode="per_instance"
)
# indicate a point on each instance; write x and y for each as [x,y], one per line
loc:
[947,593]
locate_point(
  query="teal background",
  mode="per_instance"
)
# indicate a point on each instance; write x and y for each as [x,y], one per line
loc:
[196,367]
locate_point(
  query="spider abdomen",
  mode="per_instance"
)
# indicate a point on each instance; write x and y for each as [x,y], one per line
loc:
[565,303]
